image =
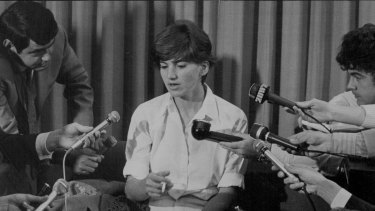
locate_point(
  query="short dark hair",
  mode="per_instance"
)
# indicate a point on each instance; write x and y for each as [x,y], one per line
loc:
[357,50]
[25,20]
[183,40]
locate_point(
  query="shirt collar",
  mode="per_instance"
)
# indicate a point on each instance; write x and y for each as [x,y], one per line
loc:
[207,112]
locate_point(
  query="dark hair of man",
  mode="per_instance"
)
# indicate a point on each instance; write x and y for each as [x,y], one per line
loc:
[183,41]
[25,20]
[358,50]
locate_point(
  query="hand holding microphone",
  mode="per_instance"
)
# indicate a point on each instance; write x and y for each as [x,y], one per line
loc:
[260,93]
[111,118]
[259,131]
[244,145]
[201,130]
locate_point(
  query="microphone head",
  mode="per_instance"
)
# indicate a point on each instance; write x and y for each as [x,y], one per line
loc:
[200,129]
[259,92]
[258,131]
[60,186]
[114,116]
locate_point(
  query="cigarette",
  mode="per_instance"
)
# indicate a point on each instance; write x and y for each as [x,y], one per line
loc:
[164,184]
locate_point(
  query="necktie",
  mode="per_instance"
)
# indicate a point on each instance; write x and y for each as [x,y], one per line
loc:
[31,95]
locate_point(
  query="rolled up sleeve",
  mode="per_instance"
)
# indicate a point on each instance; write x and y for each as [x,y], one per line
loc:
[138,148]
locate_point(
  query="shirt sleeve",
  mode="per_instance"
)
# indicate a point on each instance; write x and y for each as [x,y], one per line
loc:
[341,198]
[369,121]
[41,147]
[351,143]
[138,147]
[236,166]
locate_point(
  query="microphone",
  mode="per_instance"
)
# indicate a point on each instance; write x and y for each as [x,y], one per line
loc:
[259,131]
[112,117]
[60,187]
[261,93]
[201,130]
[262,149]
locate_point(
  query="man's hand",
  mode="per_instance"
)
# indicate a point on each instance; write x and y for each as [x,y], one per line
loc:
[86,164]
[244,148]
[23,201]
[313,181]
[71,133]
[315,139]
[307,176]
[319,109]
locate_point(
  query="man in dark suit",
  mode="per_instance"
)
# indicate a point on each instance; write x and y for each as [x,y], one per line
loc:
[34,54]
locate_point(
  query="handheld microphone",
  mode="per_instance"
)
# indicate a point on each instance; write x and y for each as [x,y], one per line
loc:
[60,187]
[261,93]
[259,131]
[112,117]
[201,130]
[262,149]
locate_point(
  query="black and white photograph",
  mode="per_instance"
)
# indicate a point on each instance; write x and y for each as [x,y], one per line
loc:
[187,105]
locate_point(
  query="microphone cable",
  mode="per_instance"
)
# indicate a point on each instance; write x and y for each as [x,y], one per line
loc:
[64,176]
[308,196]
[316,120]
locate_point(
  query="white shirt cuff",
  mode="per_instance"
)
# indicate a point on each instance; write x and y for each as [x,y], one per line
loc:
[41,148]
[369,121]
[341,198]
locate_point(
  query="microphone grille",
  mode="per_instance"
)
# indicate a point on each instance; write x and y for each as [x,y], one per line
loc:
[258,92]
[254,88]
[114,116]
[258,131]
[200,129]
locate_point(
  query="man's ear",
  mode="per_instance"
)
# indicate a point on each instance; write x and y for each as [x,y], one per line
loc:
[9,45]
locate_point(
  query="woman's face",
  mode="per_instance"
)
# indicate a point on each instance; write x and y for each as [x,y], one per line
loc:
[183,79]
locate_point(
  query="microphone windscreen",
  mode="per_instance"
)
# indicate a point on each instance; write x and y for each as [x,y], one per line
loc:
[114,116]
[254,90]
[258,92]
[200,129]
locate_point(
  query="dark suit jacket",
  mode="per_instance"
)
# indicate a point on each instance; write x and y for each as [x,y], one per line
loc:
[19,149]
[356,203]
[64,68]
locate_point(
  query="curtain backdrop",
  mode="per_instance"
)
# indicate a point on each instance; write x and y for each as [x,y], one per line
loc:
[289,45]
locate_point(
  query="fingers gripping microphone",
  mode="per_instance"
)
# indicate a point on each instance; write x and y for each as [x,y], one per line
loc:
[261,93]
[201,130]
[60,187]
[112,117]
[259,131]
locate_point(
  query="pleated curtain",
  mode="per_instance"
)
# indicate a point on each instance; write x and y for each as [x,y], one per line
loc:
[289,45]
